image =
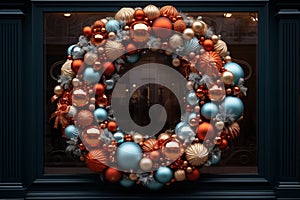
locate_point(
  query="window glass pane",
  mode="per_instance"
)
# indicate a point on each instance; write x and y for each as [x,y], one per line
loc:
[237,29]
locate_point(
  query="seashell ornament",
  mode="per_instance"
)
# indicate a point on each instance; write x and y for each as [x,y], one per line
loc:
[232,131]
[196,154]
[125,14]
[113,50]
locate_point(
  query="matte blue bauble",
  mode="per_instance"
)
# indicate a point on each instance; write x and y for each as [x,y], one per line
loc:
[180,124]
[163,174]
[127,183]
[192,98]
[233,106]
[100,114]
[236,70]
[128,155]
[119,137]
[185,132]
[71,131]
[133,58]
[154,185]
[91,76]
[112,26]
[209,110]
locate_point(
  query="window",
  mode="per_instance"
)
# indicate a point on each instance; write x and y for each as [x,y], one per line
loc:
[238,29]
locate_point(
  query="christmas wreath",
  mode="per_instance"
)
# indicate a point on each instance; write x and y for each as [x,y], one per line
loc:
[92,98]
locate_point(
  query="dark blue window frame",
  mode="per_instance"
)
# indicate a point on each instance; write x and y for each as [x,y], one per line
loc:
[277,82]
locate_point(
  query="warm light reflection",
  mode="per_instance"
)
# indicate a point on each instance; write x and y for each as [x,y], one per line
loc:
[227,15]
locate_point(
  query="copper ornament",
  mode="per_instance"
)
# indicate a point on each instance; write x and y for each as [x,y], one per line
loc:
[169,11]
[96,160]
[84,118]
[179,175]
[80,97]
[150,145]
[209,63]
[91,137]
[172,149]
[179,25]
[232,130]
[216,93]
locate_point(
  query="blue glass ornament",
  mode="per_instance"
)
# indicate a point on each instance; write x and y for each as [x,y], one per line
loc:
[180,124]
[71,131]
[112,26]
[133,58]
[69,51]
[191,116]
[164,174]
[234,107]
[73,50]
[192,98]
[185,132]
[191,45]
[209,110]
[126,182]
[154,185]
[128,155]
[110,83]
[119,137]
[236,70]
[100,114]
[91,76]
[215,159]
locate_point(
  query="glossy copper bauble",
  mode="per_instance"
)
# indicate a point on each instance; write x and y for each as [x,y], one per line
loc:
[91,137]
[205,131]
[87,31]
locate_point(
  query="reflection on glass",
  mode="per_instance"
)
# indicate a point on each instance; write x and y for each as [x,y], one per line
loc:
[239,30]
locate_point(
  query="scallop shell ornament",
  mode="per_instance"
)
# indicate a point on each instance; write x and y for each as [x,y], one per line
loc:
[191,46]
[66,69]
[209,63]
[150,145]
[176,41]
[151,12]
[196,154]
[221,48]
[169,11]
[96,161]
[90,58]
[113,50]
[125,14]
[232,131]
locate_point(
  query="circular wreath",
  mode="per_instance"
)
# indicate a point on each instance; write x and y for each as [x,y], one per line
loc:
[211,105]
